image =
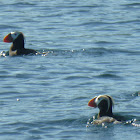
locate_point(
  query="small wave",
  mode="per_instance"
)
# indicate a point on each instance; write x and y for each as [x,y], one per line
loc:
[8,27]
[76,77]
[132,4]
[105,42]
[22,4]
[108,76]
[105,51]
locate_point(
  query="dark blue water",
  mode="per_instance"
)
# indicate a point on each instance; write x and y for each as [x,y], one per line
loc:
[86,48]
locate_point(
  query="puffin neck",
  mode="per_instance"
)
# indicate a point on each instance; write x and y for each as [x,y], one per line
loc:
[18,43]
[104,111]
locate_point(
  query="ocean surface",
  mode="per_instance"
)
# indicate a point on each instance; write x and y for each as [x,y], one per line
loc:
[86,48]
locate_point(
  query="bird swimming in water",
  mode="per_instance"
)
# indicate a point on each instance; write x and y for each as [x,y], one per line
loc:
[17,47]
[105,104]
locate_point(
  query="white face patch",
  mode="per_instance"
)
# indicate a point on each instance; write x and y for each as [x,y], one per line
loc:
[100,98]
[14,35]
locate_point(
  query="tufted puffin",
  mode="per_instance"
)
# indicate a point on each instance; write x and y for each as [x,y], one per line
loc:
[104,103]
[17,48]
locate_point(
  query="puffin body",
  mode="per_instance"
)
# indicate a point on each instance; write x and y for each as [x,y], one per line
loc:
[104,103]
[17,48]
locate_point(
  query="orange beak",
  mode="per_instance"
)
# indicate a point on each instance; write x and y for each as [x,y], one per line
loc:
[8,38]
[92,103]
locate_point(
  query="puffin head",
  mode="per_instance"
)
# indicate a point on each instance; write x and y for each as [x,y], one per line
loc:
[13,36]
[17,38]
[104,103]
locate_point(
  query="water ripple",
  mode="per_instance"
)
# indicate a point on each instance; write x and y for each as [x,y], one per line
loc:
[85,48]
